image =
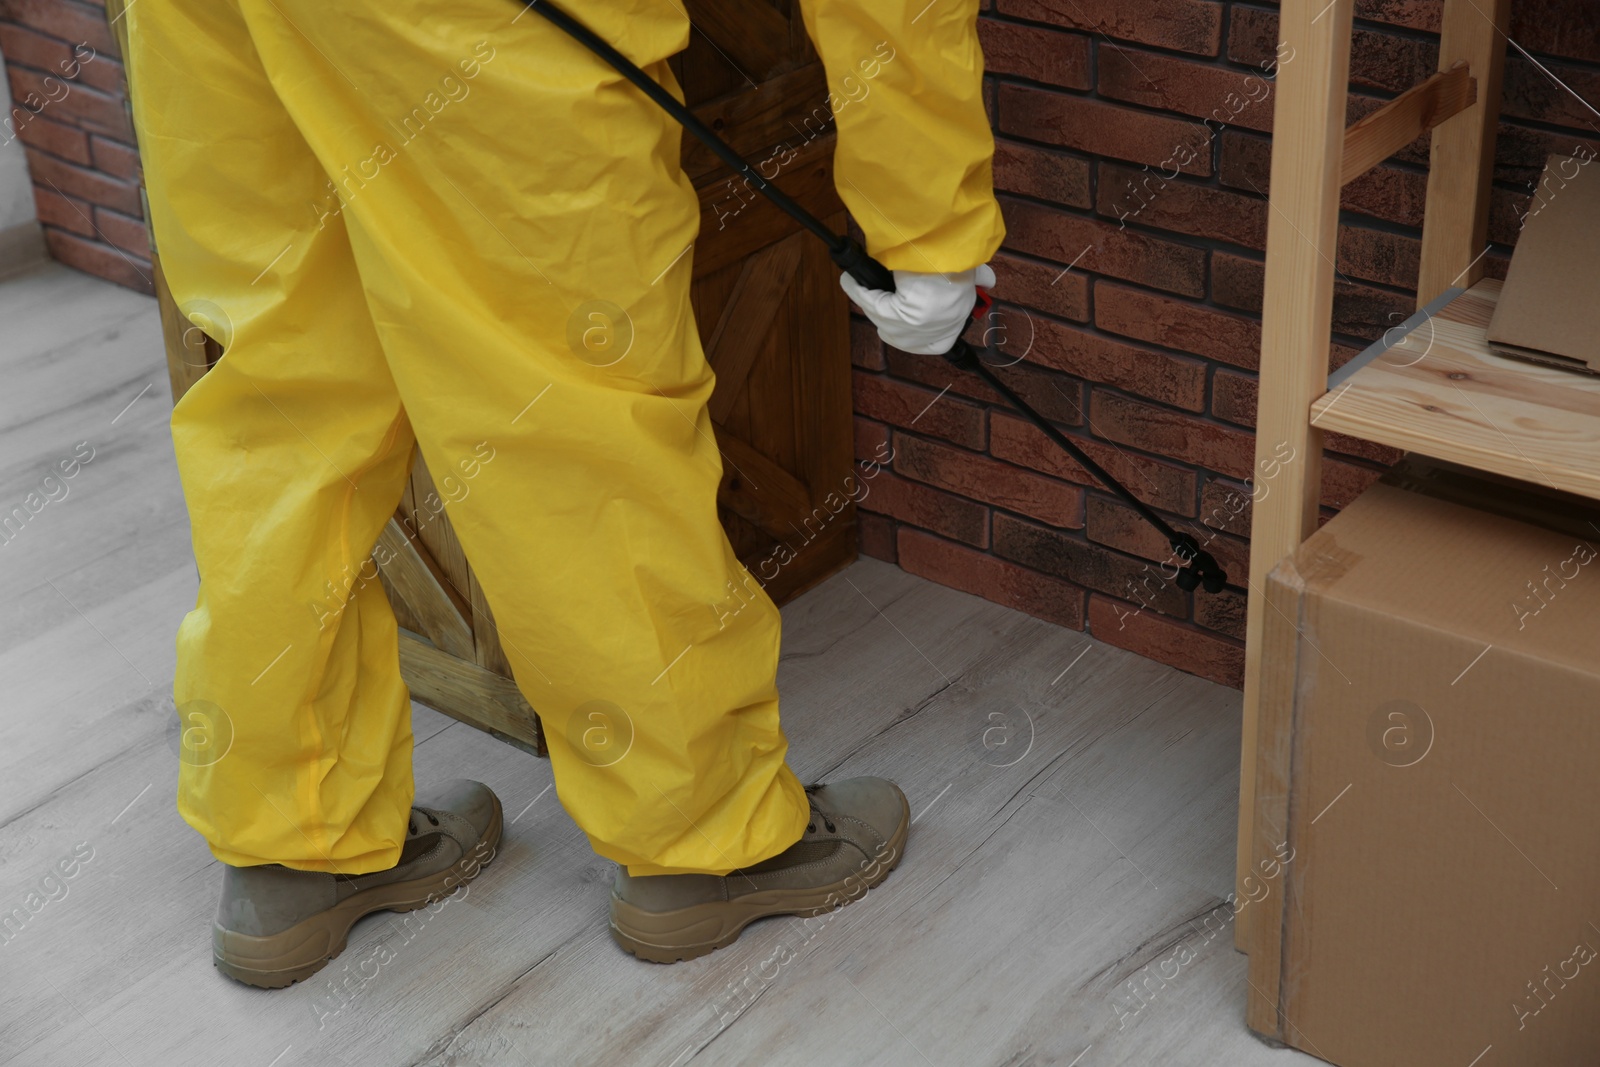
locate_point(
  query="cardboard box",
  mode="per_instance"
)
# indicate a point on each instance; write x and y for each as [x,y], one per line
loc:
[1442,886]
[1547,311]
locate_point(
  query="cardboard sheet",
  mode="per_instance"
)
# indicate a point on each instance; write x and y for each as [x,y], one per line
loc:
[1549,310]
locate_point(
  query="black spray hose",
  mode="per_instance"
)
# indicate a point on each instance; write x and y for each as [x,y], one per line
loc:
[1200,570]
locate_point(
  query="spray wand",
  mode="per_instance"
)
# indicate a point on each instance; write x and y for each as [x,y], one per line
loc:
[1200,568]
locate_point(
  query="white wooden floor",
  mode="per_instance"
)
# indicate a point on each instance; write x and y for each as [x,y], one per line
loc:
[1074,817]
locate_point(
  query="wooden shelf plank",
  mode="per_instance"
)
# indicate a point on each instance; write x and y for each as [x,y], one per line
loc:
[1440,391]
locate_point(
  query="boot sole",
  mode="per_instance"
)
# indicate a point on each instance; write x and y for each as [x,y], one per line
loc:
[282,959]
[688,933]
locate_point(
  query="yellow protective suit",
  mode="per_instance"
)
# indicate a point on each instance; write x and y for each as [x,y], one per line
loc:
[403,217]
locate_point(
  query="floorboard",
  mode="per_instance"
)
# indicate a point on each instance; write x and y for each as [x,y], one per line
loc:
[1062,900]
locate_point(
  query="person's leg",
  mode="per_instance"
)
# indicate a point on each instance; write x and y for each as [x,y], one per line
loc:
[296,754]
[522,230]
[293,451]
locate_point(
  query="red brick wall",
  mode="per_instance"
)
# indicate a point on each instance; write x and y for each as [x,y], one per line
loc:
[1146,350]
[69,109]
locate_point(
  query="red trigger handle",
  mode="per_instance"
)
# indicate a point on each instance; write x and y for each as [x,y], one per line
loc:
[985,302]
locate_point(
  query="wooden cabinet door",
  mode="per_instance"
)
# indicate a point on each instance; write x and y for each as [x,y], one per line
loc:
[773,320]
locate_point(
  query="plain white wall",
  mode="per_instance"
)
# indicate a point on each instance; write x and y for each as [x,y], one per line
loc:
[21,244]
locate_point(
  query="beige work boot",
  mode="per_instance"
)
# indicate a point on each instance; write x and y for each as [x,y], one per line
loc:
[276,926]
[855,838]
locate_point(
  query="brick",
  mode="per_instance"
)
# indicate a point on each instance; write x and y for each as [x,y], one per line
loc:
[921,505]
[1178,206]
[102,71]
[1342,482]
[28,48]
[1175,380]
[1412,14]
[1364,312]
[1098,247]
[875,536]
[64,212]
[1358,310]
[1339,355]
[1506,211]
[977,477]
[1193,26]
[1045,173]
[1520,152]
[114,158]
[1110,522]
[1556,27]
[123,232]
[1223,611]
[1237,282]
[101,260]
[993,579]
[66,20]
[1169,433]
[1216,94]
[1176,644]
[1161,320]
[1244,161]
[1057,397]
[37,131]
[871,440]
[1233,553]
[84,184]
[1388,193]
[1065,556]
[1233,398]
[925,411]
[67,62]
[1103,129]
[866,347]
[1035,52]
[1379,256]
[98,69]
[1531,94]
[1378,60]
[1226,506]
[1043,286]
[1161,485]
[70,102]
[939,374]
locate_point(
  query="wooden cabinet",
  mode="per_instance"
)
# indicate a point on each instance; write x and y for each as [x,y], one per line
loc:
[775,328]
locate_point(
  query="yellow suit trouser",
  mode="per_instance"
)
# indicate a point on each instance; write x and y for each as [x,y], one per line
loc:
[446,224]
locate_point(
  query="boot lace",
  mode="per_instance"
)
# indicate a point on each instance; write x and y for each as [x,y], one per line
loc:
[817,812]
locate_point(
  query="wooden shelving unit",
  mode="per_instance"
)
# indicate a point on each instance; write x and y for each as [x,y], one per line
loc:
[1431,387]
[1440,391]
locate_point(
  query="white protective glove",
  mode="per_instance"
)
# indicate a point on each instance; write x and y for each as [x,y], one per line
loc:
[926,312]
